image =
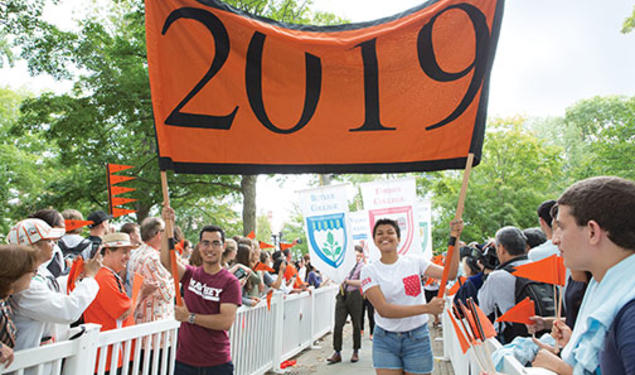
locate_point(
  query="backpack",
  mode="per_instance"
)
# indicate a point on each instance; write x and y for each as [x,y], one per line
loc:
[540,293]
[72,252]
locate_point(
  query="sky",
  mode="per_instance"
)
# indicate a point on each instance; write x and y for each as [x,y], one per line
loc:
[550,54]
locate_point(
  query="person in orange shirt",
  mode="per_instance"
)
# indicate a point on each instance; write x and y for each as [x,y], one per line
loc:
[112,306]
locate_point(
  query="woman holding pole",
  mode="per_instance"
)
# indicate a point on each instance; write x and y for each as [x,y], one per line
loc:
[401,342]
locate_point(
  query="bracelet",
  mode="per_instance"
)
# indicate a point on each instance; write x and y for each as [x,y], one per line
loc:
[452,241]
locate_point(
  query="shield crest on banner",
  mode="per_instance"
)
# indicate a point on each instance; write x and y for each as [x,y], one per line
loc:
[328,237]
[405,219]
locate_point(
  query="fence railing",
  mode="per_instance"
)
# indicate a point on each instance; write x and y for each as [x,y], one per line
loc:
[467,363]
[260,340]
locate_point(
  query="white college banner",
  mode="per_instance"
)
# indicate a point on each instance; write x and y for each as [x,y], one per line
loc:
[396,200]
[360,229]
[327,228]
[423,211]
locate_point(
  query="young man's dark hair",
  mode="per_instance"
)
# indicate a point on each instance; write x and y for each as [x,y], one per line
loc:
[50,216]
[610,201]
[359,249]
[535,237]
[544,211]
[212,228]
[386,221]
[512,239]
[129,228]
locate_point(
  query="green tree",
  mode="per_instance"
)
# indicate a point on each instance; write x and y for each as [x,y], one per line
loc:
[263,229]
[108,116]
[517,172]
[28,165]
[294,230]
[629,23]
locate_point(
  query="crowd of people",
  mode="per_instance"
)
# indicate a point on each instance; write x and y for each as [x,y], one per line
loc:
[53,280]
[590,226]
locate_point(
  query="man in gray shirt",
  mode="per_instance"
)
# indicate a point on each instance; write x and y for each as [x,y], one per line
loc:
[499,287]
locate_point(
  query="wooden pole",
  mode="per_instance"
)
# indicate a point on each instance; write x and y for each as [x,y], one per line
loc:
[169,228]
[459,214]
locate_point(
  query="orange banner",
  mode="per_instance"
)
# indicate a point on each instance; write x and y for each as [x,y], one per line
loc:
[233,93]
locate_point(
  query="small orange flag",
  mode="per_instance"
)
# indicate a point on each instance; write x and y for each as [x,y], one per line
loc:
[459,334]
[455,288]
[251,235]
[269,295]
[116,190]
[549,270]
[284,246]
[264,245]
[113,168]
[76,269]
[439,260]
[263,267]
[488,327]
[116,179]
[470,319]
[137,283]
[519,313]
[74,224]
[116,212]
[117,201]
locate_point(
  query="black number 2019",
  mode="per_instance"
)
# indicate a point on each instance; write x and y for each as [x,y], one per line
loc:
[313,67]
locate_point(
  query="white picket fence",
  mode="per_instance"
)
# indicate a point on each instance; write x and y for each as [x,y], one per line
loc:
[260,340]
[466,364]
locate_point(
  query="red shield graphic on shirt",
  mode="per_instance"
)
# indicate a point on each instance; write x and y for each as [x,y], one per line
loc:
[412,285]
[404,218]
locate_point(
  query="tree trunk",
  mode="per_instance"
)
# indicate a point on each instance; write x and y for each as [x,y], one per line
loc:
[142,211]
[248,189]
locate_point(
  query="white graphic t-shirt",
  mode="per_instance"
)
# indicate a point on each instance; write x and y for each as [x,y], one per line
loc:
[400,283]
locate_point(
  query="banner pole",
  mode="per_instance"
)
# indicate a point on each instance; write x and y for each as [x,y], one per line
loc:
[169,228]
[459,213]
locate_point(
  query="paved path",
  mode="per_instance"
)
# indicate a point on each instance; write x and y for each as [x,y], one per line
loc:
[314,361]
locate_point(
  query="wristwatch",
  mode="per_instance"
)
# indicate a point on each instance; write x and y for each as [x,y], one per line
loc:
[191,318]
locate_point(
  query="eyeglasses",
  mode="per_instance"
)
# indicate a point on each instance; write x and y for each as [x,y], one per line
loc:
[214,243]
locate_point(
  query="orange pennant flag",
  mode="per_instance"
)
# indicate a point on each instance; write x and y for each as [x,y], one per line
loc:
[549,270]
[269,295]
[470,319]
[263,267]
[118,201]
[116,212]
[137,282]
[264,245]
[113,168]
[455,288]
[76,269]
[251,235]
[488,327]
[459,334]
[116,190]
[284,246]
[74,224]
[116,179]
[439,260]
[520,313]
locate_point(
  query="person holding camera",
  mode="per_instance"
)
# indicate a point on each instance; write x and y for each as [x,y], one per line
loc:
[476,264]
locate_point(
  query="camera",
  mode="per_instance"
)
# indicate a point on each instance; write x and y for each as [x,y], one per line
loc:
[486,254]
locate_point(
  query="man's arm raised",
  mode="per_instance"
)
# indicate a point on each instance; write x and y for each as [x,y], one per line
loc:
[168,214]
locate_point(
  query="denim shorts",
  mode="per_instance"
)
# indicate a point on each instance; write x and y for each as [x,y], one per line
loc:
[410,350]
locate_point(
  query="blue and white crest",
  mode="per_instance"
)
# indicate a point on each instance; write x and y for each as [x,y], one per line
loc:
[328,237]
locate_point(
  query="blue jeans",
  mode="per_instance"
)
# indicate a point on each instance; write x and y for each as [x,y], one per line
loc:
[182,369]
[410,350]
